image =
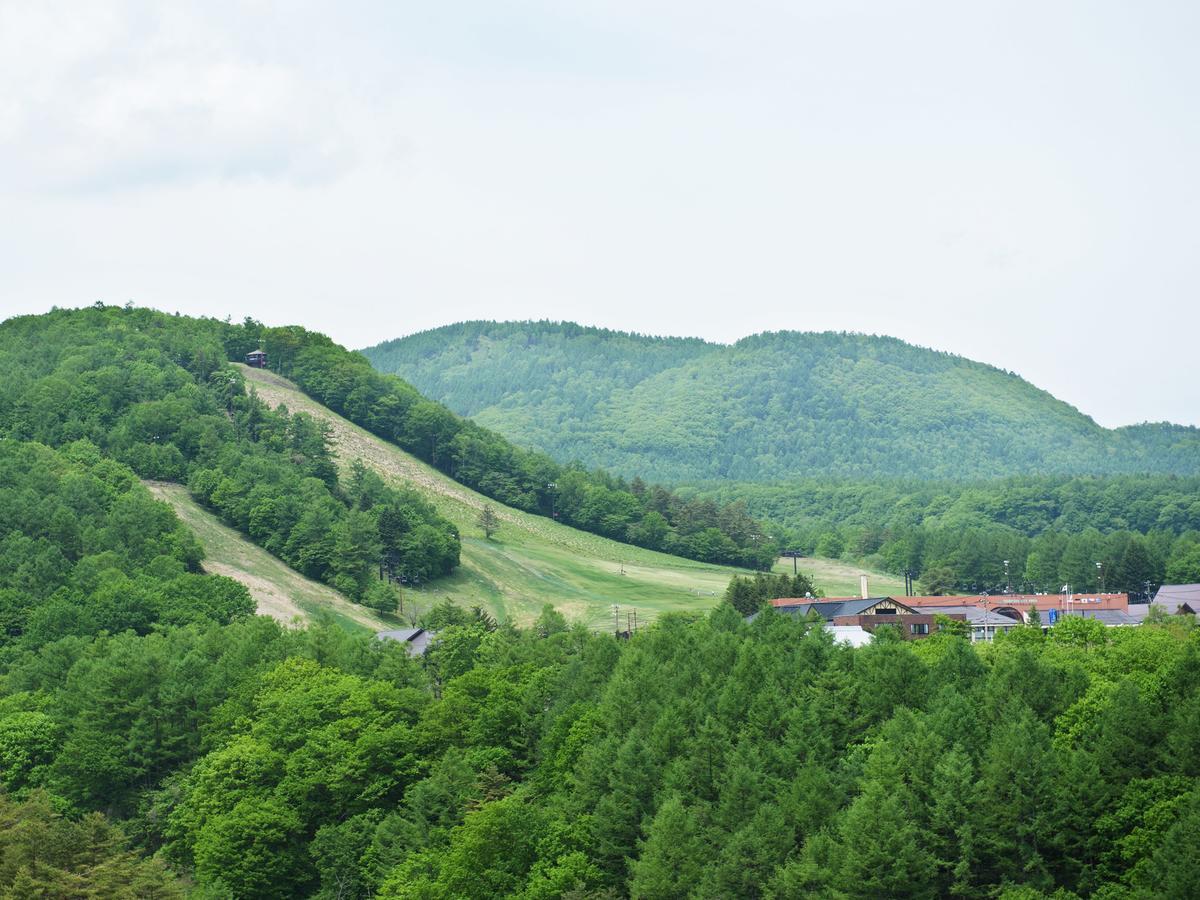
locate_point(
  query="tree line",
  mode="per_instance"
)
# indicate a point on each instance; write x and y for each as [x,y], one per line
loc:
[1142,531]
[85,549]
[748,594]
[1027,504]
[994,559]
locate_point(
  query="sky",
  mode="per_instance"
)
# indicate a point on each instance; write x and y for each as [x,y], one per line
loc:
[1015,182]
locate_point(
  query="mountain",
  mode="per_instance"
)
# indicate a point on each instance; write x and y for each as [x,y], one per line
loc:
[773,406]
[272,474]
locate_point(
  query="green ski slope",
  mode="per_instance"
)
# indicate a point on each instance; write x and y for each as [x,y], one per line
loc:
[533,560]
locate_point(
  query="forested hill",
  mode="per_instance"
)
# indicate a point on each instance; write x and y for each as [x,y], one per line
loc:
[772,406]
[153,391]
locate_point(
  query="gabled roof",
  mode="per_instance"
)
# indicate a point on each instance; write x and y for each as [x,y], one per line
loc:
[415,639]
[404,635]
[1172,596]
[837,606]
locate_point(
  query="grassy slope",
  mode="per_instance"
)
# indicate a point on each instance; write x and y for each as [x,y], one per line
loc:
[279,591]
[533,560]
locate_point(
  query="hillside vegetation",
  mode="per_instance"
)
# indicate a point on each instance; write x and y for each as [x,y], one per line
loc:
[278,591]
[153,391]
[85,549]
[774,406]
[533,560]
[707,759]
[1120,532]
[630,511]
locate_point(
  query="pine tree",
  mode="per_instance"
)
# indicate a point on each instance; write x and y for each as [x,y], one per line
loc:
[953,836]
[883,853]
[1011,817]
[488,521]
[672,855]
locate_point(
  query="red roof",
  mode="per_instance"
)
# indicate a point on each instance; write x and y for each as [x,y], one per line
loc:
[1042,601]
[990,601]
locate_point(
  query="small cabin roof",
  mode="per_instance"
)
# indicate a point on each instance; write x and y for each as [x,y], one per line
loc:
[399,634]
[416,640]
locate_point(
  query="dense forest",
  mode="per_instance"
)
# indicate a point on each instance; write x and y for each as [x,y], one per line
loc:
[771,407]
[1142,530]
[84,549]
[1028,504]
[630,511]
[703,757]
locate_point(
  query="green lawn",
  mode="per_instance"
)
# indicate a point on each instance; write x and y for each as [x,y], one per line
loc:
[533,560]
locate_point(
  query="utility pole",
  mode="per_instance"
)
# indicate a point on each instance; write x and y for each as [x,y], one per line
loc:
[795,555]
[552,487]
[1007,582]
[616,620]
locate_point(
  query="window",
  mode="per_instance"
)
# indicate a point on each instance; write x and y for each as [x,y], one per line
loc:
[919,628]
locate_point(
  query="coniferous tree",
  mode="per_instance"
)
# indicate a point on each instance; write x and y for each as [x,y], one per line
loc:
[671,859]
[488,520]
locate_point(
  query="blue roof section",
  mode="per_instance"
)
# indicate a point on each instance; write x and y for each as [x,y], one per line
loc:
[973,614]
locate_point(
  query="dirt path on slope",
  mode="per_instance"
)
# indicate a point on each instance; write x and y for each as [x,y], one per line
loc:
[279,591]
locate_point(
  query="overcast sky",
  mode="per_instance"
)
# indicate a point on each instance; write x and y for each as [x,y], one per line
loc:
[1016,182]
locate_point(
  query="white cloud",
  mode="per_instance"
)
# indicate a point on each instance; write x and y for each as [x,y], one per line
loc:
[100,97]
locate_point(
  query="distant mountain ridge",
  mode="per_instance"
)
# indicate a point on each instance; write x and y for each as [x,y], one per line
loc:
[772,406]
